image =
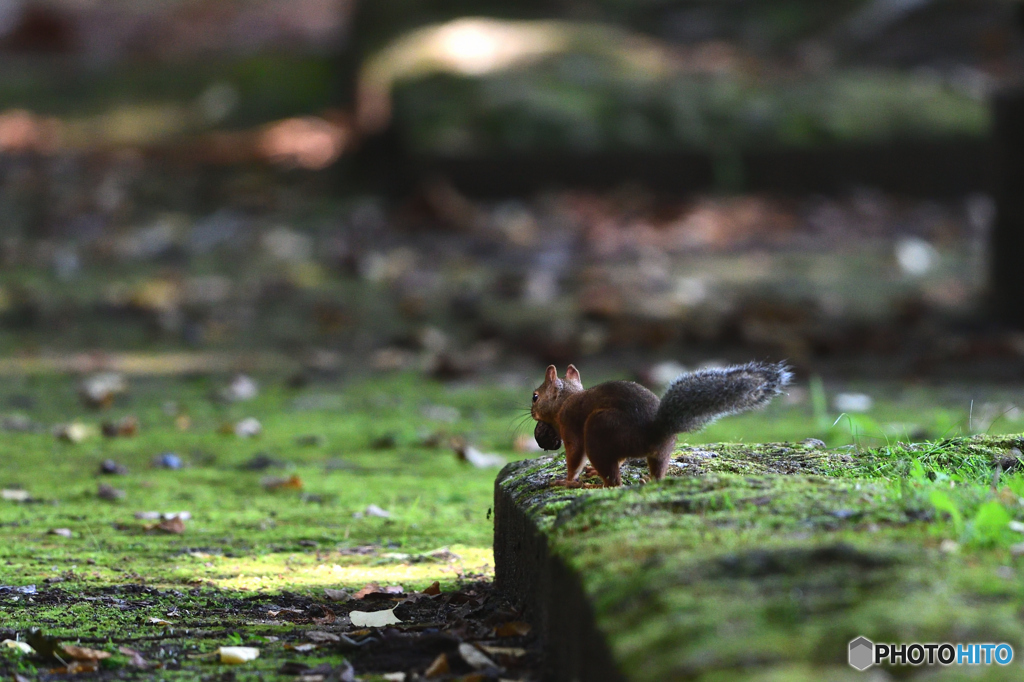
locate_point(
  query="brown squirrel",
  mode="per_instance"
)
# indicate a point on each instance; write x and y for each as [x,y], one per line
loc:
[620,420]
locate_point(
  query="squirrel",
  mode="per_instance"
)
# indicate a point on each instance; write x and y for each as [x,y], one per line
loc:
[620,420]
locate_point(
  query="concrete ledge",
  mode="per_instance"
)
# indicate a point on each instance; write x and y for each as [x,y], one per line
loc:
[551,592]
[763,562]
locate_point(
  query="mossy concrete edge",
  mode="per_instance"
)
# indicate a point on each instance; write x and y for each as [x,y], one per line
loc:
[549,591]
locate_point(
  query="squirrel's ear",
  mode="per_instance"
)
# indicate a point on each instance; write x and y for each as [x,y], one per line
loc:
[552,374]
[572,374]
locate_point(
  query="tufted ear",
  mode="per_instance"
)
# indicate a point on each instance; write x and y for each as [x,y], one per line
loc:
[572,374]
[552,374]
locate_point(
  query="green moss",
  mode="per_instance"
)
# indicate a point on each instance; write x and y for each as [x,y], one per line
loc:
[763,562]
[245,546]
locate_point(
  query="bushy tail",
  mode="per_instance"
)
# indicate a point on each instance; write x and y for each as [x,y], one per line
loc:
[696,399]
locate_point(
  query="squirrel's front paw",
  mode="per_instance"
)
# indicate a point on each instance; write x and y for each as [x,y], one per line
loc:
[565,483]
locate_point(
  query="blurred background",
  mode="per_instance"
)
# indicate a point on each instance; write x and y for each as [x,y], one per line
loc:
[460,187]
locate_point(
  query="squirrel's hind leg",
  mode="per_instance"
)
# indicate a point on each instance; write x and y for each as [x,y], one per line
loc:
[658,461]
[607,444]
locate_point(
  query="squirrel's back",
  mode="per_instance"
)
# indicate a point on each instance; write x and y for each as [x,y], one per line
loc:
[638,403]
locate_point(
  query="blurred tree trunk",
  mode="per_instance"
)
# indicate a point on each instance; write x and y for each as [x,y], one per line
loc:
[1007,246]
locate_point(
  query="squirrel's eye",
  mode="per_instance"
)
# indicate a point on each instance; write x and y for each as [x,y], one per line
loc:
[535,396]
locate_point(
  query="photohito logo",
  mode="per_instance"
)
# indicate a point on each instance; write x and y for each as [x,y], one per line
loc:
[863,653]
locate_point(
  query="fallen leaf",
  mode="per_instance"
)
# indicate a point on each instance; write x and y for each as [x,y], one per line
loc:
[174,525]
[438,667]
[15,495]
[238,654]
[301,648]
[240,389]
[99,390]
[74,432]
[76,667]
[434,589]
[23,647]
[158,621]
[125,428]
[166,516]
[135,659]
[319,636]
[481,460]
[81,653]
[168,460]
[293,482]
[474,657]
[109,492]
[327,618]
[374,510]
[516,628]
[512,651]
[248,428]
[63,532]
[371,588]
[110,467]
[394,677]
[337,595]
[373,619]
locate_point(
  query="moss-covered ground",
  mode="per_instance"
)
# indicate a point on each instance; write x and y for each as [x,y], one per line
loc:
[252,563]
[247,551]
[761,562]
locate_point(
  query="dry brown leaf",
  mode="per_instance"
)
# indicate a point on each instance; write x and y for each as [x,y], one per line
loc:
[175,525]
[327,618]
[293,482]
[135,659]
[438,667]
[320,636]
[515,628]
[77,667]
[434,589]
[81,653]
[371,588]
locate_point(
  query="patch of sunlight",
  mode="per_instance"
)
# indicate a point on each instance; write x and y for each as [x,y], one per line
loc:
[474,46]
[290,571]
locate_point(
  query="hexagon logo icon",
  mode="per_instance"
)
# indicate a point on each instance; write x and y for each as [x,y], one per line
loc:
[862,653]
